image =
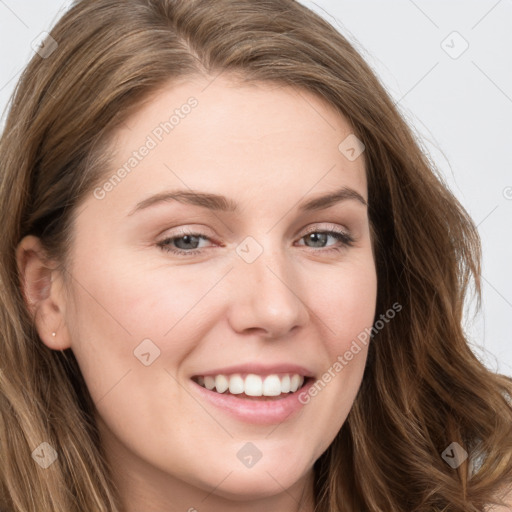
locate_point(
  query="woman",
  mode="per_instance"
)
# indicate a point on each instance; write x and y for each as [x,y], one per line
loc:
[306,352]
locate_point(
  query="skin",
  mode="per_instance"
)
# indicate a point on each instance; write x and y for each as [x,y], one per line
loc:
[267,147]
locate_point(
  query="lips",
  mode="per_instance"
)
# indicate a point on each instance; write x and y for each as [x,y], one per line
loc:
[262,408]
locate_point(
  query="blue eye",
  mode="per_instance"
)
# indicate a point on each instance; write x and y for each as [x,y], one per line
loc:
[185,239]
[319,236]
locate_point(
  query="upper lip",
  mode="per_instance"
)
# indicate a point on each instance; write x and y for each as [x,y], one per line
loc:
[259,369]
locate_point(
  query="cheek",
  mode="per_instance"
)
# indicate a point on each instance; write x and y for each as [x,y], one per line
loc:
[346,303]
[347,310]
[128,314]
[131,330]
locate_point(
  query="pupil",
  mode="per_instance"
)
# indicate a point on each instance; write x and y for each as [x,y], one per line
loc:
[318,237]
[186,239]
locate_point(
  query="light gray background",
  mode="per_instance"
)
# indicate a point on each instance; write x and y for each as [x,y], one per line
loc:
[459,105]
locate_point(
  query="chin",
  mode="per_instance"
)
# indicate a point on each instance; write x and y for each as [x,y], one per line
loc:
[245,487]
[257,483]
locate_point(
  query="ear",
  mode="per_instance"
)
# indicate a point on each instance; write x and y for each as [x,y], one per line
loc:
[43,290]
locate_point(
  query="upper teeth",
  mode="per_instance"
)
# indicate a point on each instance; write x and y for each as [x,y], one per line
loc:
[253,385]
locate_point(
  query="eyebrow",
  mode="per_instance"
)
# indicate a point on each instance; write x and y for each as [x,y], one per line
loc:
[224,204]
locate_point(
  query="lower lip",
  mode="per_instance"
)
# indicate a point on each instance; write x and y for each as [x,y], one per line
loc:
[261,412]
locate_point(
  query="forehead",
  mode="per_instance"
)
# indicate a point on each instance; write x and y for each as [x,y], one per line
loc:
[251,141]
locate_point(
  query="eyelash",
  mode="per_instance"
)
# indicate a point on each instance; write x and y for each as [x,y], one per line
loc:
[344,238]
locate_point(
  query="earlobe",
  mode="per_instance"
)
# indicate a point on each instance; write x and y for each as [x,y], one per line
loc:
[41,286]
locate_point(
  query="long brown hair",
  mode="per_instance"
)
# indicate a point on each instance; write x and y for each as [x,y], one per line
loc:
[423,387]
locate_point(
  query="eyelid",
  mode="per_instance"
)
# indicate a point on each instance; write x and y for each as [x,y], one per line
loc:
[329,227]
[189,230]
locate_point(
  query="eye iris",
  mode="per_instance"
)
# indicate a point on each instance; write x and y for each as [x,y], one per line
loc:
[315,237]
[187,239]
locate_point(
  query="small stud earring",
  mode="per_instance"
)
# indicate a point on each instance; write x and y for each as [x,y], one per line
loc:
[54,334]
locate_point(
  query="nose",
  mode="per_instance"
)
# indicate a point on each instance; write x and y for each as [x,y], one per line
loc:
[267,298]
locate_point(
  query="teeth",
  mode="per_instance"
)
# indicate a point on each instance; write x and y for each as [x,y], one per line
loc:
[209,382]
[295,383]
[252,385]
[221,383]
[236,384]
[272,386]
[285,384]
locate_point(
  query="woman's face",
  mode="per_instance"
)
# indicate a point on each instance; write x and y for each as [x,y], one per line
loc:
[258,288]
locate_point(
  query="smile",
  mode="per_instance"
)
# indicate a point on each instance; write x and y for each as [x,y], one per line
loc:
[252,385]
